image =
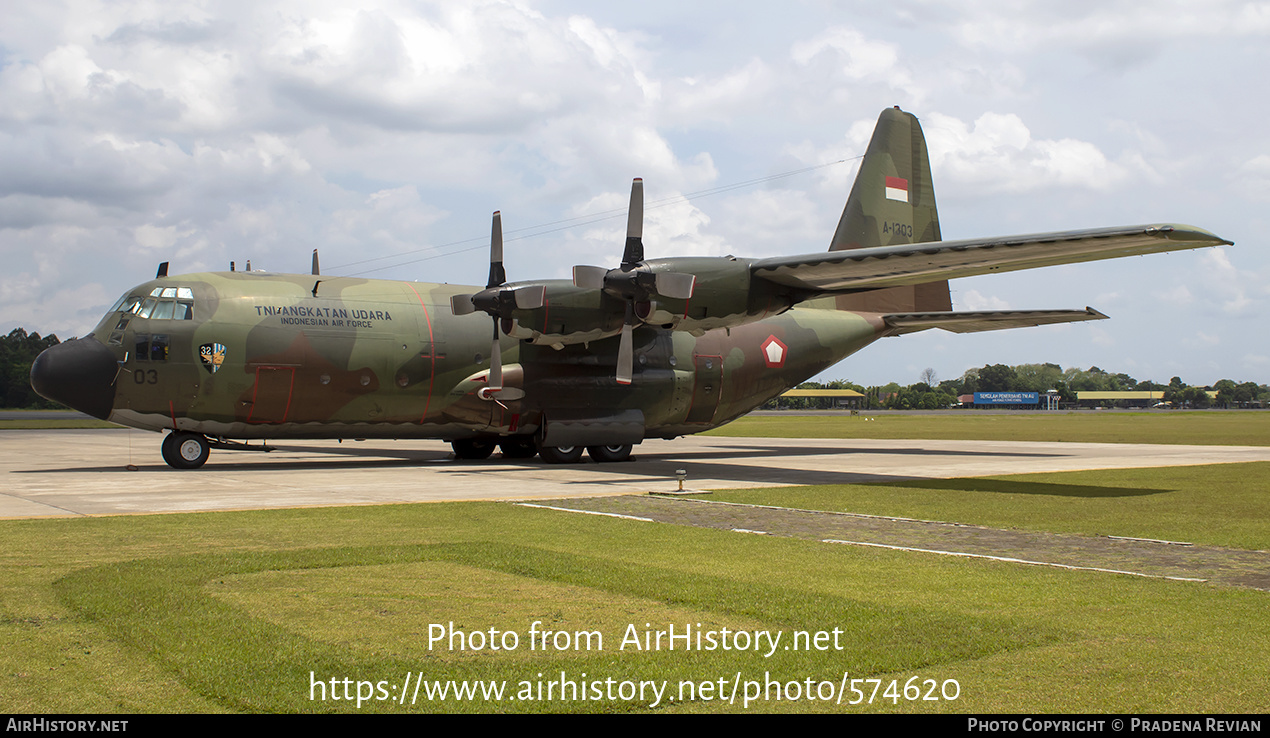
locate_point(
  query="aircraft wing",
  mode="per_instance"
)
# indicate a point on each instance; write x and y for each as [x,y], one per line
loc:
[984,320]
[888,266]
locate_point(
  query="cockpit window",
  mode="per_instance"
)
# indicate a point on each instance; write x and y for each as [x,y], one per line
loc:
[163,303]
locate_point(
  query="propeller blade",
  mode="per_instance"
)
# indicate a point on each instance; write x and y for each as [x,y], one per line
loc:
[530,297]
[497,275]
[634,253]
[625,348]
[625,356]
[675,285]
[589,277]
[495,363]
[462,305]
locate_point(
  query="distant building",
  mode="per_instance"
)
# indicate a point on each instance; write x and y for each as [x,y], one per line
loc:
[839,397]
[1133,398]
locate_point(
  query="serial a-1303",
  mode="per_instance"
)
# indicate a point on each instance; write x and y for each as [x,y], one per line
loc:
[651,348]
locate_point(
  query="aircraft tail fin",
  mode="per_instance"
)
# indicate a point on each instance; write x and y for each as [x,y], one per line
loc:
[893,202]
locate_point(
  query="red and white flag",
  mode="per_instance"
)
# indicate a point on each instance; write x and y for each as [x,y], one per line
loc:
[897,189]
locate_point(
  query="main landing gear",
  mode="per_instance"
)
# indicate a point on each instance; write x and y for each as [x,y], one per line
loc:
[573,454]
[476,449]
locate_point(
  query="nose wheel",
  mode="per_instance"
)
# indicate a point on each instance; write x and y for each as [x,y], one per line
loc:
[185,450]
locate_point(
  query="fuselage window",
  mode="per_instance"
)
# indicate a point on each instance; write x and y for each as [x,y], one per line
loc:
[158,348]
[152,347]
[116,336]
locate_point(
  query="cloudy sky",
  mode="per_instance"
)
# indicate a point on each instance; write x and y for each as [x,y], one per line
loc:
[385,133]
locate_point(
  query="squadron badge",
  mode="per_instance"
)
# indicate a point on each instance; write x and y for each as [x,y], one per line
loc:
[212,355]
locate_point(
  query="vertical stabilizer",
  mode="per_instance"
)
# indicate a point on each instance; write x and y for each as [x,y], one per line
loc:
[892,202]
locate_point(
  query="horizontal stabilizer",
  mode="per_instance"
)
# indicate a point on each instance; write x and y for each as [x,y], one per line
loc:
[888,266]
[985,320]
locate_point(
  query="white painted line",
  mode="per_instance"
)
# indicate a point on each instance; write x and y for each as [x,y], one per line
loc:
[1013,561]
[586,512]
[1150,540]
[747,530]
[836,512]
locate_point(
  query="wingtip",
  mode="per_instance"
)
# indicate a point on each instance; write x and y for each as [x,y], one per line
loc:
[1184,232]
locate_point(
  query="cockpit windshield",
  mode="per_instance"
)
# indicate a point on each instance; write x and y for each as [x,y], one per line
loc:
[163,303]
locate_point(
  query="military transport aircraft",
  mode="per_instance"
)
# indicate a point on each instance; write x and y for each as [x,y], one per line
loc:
[652,348]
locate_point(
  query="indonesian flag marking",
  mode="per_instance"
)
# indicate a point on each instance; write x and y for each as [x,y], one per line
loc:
[897,189]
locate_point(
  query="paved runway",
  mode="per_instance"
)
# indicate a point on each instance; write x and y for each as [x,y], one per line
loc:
[84,472]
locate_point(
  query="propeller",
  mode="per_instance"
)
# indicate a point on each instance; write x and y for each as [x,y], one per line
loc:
[634,282]
[498,301]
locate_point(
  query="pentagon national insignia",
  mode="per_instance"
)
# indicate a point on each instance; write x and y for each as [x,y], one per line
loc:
[212,355]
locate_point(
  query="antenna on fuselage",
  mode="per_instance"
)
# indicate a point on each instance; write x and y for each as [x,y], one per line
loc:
[163,270]
[315,264]
[231,266]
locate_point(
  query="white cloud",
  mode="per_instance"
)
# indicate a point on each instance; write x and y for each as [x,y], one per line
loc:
[855,58]
[1177,295]
[1235,292]
[1254,179]
[974,300]
[1114,33]
[998,154]
[744,90]
[139,132]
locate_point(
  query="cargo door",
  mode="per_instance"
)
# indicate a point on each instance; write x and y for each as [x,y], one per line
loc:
[707,381]
[271,400]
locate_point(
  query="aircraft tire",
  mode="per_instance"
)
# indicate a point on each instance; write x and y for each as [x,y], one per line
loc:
[185,450]
[607,454]
[473,449]
[518,448]
[560,454]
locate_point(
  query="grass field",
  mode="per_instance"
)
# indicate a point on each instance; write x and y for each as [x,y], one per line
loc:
[1208,428]
[248,611]
[1219,505]
[71,420]
[233,611]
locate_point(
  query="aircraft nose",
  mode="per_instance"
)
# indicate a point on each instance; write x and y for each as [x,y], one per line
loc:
[79,374]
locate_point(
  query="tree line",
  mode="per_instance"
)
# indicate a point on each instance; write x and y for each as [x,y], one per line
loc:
[17,351]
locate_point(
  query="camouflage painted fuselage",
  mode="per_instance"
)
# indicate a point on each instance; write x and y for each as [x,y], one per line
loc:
[260,355]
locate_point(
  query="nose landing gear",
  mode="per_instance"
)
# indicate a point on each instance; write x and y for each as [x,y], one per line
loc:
[185,450]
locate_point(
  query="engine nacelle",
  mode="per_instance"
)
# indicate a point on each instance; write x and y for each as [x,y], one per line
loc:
[723,296]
